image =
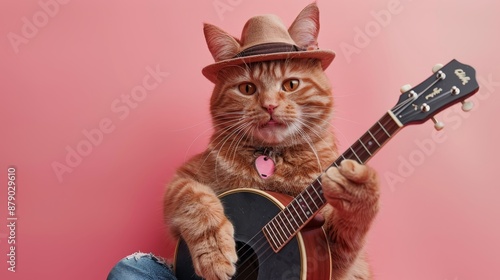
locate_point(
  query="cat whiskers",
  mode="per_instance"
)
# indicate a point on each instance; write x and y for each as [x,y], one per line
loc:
[238,126]
[317,125]
[210,129]
[223,119]
[248,132]
[242,126]
[304,137]
[238,134]
[337,133]
[214,142]
[314,115]
[323,130]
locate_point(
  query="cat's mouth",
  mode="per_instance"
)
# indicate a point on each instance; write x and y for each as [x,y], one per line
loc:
[272,123]
[272,131]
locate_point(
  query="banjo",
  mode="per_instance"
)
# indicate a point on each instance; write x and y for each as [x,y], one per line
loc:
[277,236]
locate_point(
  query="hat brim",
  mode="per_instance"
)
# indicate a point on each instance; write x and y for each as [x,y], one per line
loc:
[325,56]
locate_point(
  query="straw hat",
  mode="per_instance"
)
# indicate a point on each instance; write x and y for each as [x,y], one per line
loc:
[266,38]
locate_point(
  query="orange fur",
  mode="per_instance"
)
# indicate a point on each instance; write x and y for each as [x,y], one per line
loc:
[192,208]
[304,146]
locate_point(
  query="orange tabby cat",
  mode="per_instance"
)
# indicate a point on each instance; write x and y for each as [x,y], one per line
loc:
[283,106]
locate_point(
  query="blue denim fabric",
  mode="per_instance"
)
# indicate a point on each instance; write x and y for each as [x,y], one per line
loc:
[141,266]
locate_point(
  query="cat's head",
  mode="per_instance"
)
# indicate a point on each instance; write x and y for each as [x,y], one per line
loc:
[273,103]
[267,94]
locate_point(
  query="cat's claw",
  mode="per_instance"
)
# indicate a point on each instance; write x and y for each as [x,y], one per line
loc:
[216,257]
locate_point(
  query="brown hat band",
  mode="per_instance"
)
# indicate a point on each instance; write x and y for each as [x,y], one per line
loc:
[268,48]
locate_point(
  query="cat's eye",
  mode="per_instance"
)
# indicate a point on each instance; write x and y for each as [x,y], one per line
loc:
[290,85]
[247,88]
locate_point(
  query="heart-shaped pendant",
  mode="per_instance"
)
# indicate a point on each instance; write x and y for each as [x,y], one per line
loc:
[264,166]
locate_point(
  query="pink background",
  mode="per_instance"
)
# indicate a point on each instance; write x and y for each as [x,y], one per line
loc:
[64,77]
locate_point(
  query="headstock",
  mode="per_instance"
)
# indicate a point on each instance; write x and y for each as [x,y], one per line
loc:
[450,84]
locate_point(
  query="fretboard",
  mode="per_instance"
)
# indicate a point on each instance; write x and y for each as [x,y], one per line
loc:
[304,206]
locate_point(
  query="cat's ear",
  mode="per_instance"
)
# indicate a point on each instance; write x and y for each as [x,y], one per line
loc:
[222,46]
[305,28]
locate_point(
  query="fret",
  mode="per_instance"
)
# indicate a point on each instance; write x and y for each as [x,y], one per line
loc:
[359,140]
[269,237]
[302,208]
[359,160]
[314,202]
[342,157]
[320,193]
[284,224]
[389,125]
[364,148]
[289,223]
[277,231]
[318,198]
[302,221]
[374,139]
[368,142]
[383,128]
[282,232]
[298,225]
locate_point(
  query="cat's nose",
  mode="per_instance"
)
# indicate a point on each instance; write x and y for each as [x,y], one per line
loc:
[270,108]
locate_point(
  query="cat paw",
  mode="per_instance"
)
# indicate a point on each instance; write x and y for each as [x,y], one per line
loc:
[351,187]
[215,256]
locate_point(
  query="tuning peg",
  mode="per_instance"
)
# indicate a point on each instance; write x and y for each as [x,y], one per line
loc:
[438,125]
[405,88]
[437,67]
[467,106]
